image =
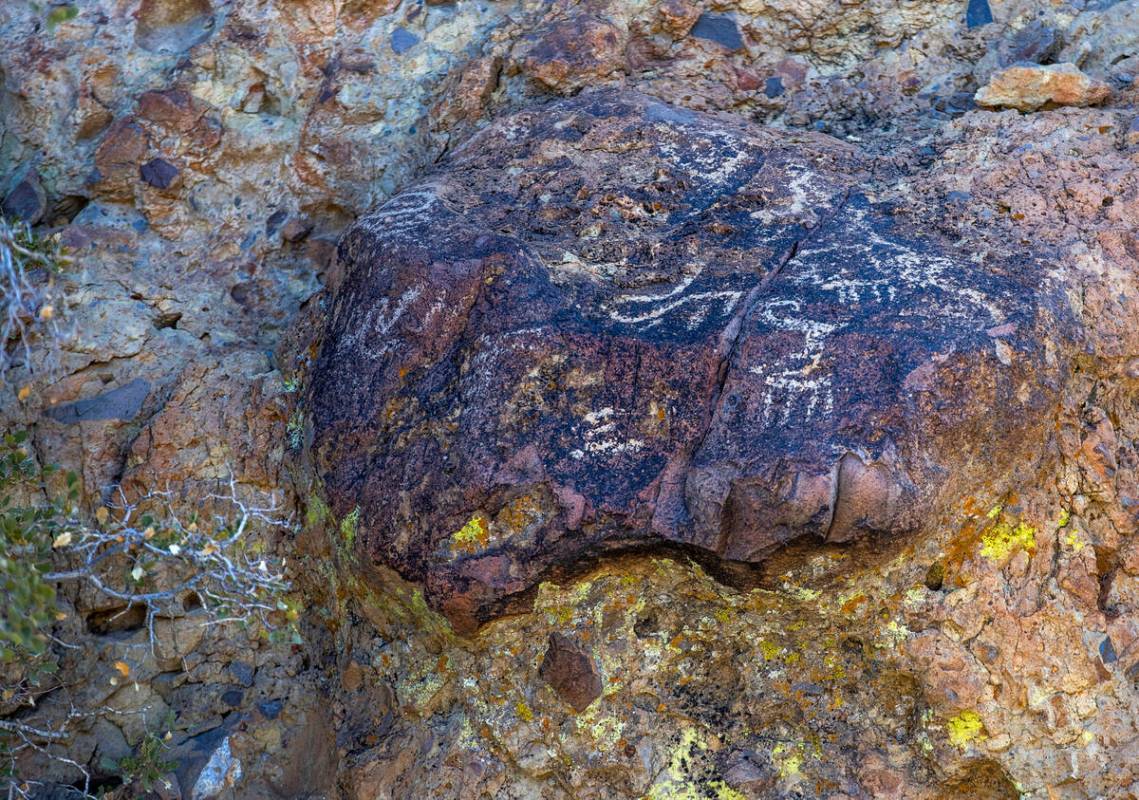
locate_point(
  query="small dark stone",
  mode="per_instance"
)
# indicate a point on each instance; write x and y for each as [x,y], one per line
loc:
[403,40]
[935,576]
[773,87]
[270,708]
[233,697]
[26,201]
[1107,651]
[1035,43]
[121,404]
[955,104]
[159,173]
[719,29]
[978,13]
[570,672]
[274,222]
[958,197]
[243,672]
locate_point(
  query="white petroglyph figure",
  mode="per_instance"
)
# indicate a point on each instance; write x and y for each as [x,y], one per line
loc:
[369,328]
[597,436]
[793,387]
[789,381]
[402,213]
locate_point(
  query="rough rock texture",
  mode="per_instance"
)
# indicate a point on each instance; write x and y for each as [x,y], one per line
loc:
[201,158]
[612,322]
[1028,88]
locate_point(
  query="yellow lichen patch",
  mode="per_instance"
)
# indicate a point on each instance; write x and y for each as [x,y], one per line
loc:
[523,711]
[788,760]
[895,632]
[1064,519]
[1074,541]
[801,593]
[771,651]
[675,782]
[472,537]
[604,730]
[1001,540]
[965,728]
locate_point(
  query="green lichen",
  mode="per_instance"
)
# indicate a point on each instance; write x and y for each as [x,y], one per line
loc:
[348,527]
[316,511]
[61,14]
[964,729]
[1001,540]
[295,429]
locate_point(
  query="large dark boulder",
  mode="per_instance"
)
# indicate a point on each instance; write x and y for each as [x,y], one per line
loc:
[610,324]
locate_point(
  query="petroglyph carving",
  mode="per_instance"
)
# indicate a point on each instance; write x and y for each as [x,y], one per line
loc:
[668,328]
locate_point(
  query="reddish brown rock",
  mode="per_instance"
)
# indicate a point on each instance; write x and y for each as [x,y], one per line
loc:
[612,324]
[1027,87]
[576,52]
[118,158]
[175,109]
[570,672]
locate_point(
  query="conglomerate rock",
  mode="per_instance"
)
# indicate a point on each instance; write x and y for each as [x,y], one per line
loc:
[608,323]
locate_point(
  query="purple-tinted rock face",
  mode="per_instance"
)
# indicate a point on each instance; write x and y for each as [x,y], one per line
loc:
[611,324]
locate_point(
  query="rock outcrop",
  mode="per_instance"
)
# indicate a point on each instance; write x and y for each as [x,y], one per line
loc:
[610,323]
